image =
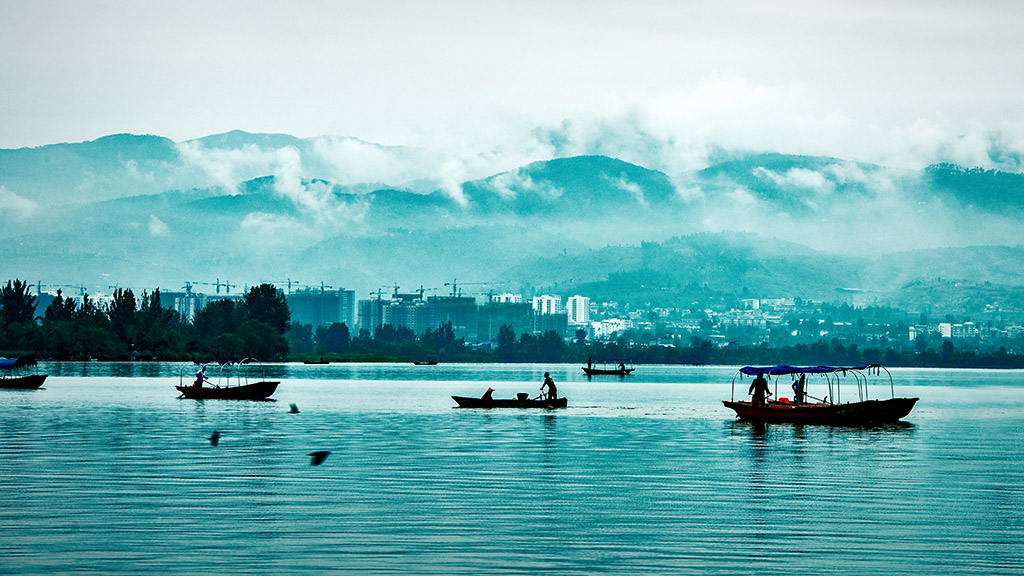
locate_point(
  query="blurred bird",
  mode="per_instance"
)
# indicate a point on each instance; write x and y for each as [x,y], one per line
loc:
[318,457]
[294,409]
[215,437]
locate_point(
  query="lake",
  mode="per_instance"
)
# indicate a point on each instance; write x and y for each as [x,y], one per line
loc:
[106,471]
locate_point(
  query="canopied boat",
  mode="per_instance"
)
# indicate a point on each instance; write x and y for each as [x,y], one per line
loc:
[609,368]
[232,383]
[827,410]
[14,373]
[522,400]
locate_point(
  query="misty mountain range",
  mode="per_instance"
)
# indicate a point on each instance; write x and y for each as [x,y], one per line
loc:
[144,211]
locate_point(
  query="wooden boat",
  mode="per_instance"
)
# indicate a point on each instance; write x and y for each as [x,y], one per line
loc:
[320,361]
[523,401]
[254,391]
[609,368]
[232,384]
[864,411]
[425,362]
[12,373]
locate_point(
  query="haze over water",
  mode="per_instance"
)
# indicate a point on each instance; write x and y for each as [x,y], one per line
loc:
[107,472]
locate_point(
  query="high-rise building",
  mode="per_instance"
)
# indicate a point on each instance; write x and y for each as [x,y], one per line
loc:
[347,307]
[547,304]
[493,315]
[579,310]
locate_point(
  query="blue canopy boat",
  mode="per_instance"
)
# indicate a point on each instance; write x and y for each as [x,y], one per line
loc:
[13,373]
[231,384]
[827,410]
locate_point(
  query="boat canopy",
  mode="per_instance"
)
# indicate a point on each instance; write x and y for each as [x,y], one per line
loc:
[784,369]
[17,362]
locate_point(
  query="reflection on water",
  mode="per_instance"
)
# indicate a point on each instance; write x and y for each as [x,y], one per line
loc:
[113,474]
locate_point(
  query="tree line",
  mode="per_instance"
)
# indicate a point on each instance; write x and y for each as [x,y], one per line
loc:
[259,326]
[141,328]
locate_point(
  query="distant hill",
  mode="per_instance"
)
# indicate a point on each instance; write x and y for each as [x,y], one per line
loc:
[142,209]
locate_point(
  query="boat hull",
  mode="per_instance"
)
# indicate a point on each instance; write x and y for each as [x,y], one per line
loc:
[853,413]
[255,391]
[23,382]
[600,372]
[466,402]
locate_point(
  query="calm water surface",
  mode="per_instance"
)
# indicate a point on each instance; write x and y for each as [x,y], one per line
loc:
[106,471]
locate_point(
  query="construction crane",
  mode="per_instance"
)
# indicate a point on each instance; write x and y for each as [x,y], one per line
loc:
[287,282]
[457,292]
[227,286]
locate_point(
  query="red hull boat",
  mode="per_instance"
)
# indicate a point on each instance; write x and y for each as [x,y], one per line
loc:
[821,411]
[852,413]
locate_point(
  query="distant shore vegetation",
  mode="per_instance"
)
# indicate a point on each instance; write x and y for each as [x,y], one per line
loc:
[137,328]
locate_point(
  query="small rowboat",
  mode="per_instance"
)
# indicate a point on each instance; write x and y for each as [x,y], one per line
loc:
[254,391]
[465,402]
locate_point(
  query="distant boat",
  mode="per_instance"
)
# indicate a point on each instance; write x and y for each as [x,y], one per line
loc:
[231,384]
[12,373]
[521,401]
[823,411]
[425,362]
[609,368]
[320,361]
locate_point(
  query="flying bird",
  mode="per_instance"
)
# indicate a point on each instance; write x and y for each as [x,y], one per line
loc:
[318,457]
[215,438]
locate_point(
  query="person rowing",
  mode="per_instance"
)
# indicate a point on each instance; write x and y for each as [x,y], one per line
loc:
[550,384]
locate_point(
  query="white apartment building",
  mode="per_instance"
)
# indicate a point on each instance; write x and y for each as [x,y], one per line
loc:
[508,298]
[578,309]
[547,304]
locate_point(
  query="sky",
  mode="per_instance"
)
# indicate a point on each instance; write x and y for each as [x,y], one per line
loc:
[902,83]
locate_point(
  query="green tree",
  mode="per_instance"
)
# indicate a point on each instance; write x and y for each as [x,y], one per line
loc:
[506,350]
[266,304]
[61,309]
[333,339]
[16,304]
[261,340]
[122,312]
[300,338]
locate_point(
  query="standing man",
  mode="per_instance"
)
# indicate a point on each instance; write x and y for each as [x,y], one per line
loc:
[759,390]
[552,391]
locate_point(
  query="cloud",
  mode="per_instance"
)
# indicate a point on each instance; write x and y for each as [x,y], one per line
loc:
[227,167]
[267,231]
[633,188]
[157,227]
[453,174]
[315,199]
[355,162]
[17,206]
[801,178]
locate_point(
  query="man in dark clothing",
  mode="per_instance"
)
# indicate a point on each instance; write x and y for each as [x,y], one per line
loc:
[759,390]
[552,391]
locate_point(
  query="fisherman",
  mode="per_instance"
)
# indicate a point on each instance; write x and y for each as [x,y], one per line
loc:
[759,390]
[552,391]
[622,367]
[487,395]
[800,389]
[200,377]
